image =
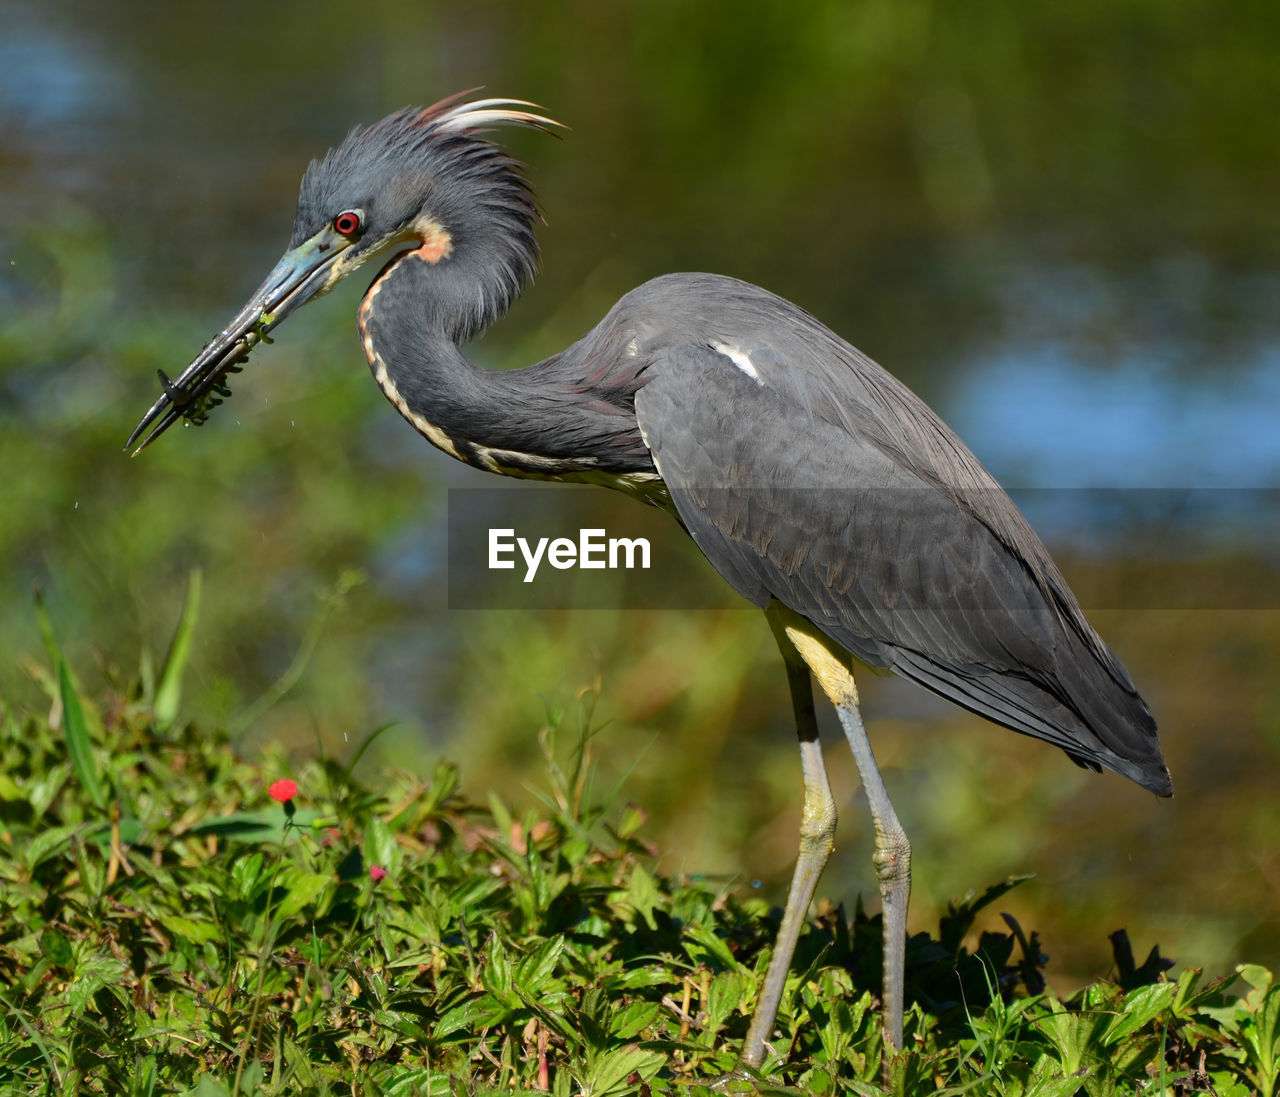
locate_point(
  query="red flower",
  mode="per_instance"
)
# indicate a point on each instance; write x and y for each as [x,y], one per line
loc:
[283,790]
[376,873]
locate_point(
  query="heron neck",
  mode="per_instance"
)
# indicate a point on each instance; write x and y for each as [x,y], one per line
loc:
[545,421]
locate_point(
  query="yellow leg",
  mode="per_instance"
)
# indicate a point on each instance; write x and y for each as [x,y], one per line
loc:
[893,851]
[817,838]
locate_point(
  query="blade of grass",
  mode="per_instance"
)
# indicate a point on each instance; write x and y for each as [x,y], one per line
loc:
[368,742]
[330,602]
[46,629]
[79,745]
[169,690]
[34,1036]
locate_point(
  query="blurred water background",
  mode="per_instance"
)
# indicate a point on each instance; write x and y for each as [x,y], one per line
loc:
[1059,223]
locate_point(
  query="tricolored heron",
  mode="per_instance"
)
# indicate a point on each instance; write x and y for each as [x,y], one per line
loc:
[817,485]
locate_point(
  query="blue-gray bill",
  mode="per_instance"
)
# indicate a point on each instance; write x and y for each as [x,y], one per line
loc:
[302,273]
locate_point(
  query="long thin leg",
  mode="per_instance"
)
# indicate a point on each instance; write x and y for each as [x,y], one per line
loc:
[817,838]
[893,852]
[893,867]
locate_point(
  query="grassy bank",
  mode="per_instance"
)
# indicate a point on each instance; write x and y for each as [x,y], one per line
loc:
[166,926]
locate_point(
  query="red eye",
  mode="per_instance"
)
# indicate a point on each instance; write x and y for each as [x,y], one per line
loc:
[347,224]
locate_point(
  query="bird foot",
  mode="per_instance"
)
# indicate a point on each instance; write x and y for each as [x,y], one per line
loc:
[734,1081]
[738,1080]
[747,1080]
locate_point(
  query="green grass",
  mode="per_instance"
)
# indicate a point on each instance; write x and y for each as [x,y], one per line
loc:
[165,927]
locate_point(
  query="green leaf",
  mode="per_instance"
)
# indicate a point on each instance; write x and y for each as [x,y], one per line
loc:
[1255,975]
[55,947]
[702,942]
[497,975]
[143,1082]
[1140,1007]
[303,889]
[1052,1086]
[637,979]
[534,970]
[380,845]
[1071,1034]
[643,895]
[245,874]
[633,1019]
[1260,1028]
[727,990]
[195,932]
[609,1072]
[131,829]
[631,820]
[444,783]
[464,1016]
[47,844]
[169,689]
[92,974]
[79,745]
[419,1083]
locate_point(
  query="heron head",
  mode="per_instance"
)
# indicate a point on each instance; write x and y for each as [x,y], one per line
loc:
[425,179]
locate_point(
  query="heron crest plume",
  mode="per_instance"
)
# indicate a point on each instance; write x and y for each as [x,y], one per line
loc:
[430,170]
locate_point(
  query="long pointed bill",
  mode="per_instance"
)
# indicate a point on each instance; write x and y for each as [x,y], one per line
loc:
[301,273]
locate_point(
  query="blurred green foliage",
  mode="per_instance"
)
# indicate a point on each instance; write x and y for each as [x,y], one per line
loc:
[915,173]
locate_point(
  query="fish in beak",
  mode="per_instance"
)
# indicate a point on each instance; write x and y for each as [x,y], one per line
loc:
[303,272]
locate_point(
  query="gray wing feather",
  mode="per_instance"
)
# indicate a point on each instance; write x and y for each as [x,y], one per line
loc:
[893,540]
